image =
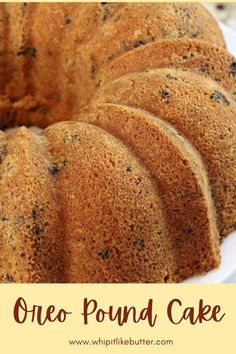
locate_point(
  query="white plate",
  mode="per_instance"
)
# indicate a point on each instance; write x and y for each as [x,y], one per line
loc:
[226,273]
[230,38]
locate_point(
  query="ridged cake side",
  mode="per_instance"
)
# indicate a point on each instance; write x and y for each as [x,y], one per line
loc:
[136,25]
[114,225]
[202,111]
[30,228]
[186,54]
[180,179]
[78,206]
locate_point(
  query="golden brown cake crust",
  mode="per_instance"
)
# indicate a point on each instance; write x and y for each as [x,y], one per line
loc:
[30,228]
[81,208]
[138,24]
[202,111]
[180,179]
[114,224]
[187,54]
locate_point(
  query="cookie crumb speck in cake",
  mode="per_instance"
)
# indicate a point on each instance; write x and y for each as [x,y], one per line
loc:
[233,68]
[24,50]
[165,95]
[219,97]
[104,254]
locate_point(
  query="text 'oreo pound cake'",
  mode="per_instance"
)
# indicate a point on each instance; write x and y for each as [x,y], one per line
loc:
[133,178]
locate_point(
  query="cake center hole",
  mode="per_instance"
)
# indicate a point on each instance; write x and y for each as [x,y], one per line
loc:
[13,130]
[22,111]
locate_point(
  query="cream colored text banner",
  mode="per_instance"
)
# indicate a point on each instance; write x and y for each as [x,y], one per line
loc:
[117,318]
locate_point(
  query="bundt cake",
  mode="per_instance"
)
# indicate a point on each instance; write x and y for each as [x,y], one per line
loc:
[136,179]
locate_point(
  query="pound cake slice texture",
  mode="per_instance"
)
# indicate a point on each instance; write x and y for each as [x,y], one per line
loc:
[30,228]
[180,179]
[202,111]
[192,55]
[115,229]
[135,25]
